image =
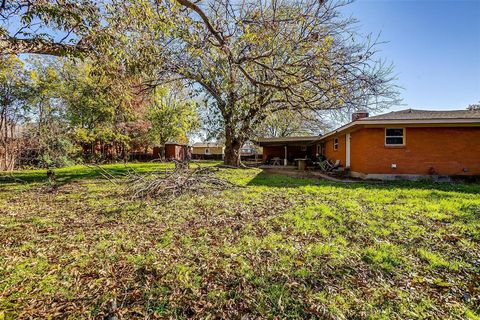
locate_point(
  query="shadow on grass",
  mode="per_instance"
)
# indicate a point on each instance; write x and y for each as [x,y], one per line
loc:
[84,172]
[276,179]
[79,172]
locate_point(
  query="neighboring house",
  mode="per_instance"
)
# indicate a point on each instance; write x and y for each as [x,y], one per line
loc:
[403,144]
[207,151]
[250,151]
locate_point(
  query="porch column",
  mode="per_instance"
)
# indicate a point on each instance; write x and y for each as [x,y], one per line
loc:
[285,160]
[347,151]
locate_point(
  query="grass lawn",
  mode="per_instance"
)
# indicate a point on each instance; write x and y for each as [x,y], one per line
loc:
[275,248]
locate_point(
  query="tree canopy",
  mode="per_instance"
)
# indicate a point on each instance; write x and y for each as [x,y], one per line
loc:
[71,109]
[252,59]
[247,59]
[59,28]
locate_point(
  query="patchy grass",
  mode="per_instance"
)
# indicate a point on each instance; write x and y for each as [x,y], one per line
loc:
[279,247]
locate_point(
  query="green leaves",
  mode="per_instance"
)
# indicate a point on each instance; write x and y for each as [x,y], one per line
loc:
[29,26]
[171,118]
[14,88]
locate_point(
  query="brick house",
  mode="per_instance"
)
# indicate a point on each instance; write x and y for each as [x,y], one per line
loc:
[403,144]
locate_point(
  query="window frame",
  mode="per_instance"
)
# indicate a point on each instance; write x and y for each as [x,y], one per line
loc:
[336,142]
[403,136]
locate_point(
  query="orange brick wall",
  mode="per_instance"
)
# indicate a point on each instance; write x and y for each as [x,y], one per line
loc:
[339,154]
[446,150]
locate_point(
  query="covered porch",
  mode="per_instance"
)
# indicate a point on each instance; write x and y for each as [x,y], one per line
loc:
[287,152]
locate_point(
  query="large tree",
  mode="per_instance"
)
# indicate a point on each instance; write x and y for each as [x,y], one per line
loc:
[47,129]
[101,101]
[254,58]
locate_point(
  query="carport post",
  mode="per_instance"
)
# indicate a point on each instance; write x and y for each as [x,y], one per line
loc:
[285,160]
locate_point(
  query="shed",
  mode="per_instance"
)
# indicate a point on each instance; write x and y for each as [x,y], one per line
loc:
[175,151]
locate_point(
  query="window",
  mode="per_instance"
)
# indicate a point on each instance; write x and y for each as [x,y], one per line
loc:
[335,144]
[207,151]
[394,136]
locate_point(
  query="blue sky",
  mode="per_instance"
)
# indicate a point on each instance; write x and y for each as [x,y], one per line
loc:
[434,46]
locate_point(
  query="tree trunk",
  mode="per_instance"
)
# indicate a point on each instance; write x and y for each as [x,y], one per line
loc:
[232,155]
[232,148]
[162,149]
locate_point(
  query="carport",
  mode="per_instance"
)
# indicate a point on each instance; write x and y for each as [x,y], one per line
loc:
[284,151]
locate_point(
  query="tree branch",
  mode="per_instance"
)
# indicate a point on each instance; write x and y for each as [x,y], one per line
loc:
[11,45]
[203,16]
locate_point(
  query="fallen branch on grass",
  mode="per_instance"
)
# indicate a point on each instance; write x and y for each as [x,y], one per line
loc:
[104,173]
[169,184]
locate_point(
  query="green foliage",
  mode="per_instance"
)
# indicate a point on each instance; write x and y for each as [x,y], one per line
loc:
[14,91]
[13,79]
[90,97]
[28,26]
[97,104]
[90,109]
[171,117]
[48,130]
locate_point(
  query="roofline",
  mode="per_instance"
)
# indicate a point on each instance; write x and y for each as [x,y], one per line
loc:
[288,138]
[364,121]
[205,145]
[176,143]
[280,141]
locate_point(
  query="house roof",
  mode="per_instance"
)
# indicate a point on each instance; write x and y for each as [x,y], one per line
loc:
[416,117]
[413,114]
[303,140]
[403,117]
[176,143]
[207,145]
